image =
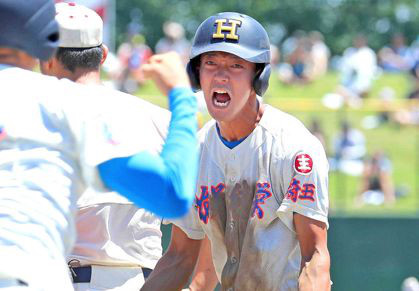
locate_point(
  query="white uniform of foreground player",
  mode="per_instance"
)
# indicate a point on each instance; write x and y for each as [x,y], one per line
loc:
[46,125]
[117,243]
[116,238]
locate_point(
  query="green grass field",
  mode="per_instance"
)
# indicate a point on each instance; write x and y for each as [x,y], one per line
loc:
[400,143]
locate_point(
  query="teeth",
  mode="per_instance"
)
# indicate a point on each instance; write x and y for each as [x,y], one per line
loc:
[221,104]
[220,91]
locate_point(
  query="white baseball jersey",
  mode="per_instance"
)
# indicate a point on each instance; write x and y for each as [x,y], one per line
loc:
[53,134]
[111,231]
[246,197]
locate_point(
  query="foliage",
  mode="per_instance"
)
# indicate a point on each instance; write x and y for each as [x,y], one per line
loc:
[338,20]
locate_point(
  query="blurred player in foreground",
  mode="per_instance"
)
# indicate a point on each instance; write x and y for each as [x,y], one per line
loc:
[58,138]
[262,192]
[117,244]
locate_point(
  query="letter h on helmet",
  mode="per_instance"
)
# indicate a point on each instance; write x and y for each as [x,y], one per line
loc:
[237,34]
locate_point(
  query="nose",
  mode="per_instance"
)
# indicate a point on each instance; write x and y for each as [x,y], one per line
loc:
[222,75]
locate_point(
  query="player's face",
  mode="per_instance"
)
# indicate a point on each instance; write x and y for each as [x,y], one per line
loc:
[226,81]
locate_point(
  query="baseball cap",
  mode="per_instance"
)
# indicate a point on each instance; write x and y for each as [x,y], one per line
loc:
[80,27]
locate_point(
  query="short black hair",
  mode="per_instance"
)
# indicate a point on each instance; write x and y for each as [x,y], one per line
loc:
[80,58]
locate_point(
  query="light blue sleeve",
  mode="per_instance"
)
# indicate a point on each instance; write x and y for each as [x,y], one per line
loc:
[163,184]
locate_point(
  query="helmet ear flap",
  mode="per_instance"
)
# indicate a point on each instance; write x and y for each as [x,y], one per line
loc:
[193,75]
[261,81]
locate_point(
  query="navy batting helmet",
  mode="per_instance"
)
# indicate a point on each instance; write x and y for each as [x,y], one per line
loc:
[29,26]
[237,34]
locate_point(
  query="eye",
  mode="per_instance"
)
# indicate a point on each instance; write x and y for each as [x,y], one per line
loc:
[237,66]
[209,62]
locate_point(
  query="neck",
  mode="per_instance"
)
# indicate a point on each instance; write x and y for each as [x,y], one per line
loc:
[86,77]
[245,124]
[89,78]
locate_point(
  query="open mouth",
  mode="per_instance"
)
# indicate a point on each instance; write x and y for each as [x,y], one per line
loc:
[221,98]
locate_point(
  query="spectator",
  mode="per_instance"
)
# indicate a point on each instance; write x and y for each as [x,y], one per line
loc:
[296,55]
[359,68]
[349,151]
[410,115]
[299,60]
[377,183]
[132,54]
[174,40]
[319,55]
[358,71]
[397,57]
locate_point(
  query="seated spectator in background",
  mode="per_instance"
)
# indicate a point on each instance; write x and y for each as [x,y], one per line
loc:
[174,40]
[414,72]
[397,57]
[349,151]
[132,54]
[299,60]
[410,115]
[319,55]
[377,182]
[296,56]
[358,71]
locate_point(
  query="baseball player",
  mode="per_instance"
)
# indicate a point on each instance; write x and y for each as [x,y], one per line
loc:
[56,140]
[261,196]
[117,244]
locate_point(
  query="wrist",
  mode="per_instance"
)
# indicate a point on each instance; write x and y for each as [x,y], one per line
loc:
[179,90]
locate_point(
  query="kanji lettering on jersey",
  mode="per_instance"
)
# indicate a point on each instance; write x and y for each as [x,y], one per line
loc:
[202,202]
[296,191]
[293,190]
[262,194]
[307,193]
[303,164]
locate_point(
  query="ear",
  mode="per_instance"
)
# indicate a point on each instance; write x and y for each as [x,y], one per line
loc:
[105,53]
[48,66]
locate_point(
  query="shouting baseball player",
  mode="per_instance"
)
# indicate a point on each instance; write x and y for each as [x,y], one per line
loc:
[57,138]
[262,192]
[117,244]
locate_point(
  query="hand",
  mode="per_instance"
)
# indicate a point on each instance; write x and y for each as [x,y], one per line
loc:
[167,71]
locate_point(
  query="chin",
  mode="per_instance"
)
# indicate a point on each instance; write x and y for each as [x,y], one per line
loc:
[220,116]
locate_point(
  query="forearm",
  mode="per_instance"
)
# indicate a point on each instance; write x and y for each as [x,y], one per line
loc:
[203,281]
[171,273]
[204,278]
[163,184]
[315,272]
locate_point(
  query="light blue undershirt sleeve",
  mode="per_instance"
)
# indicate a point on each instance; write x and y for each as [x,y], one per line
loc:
[165,183]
